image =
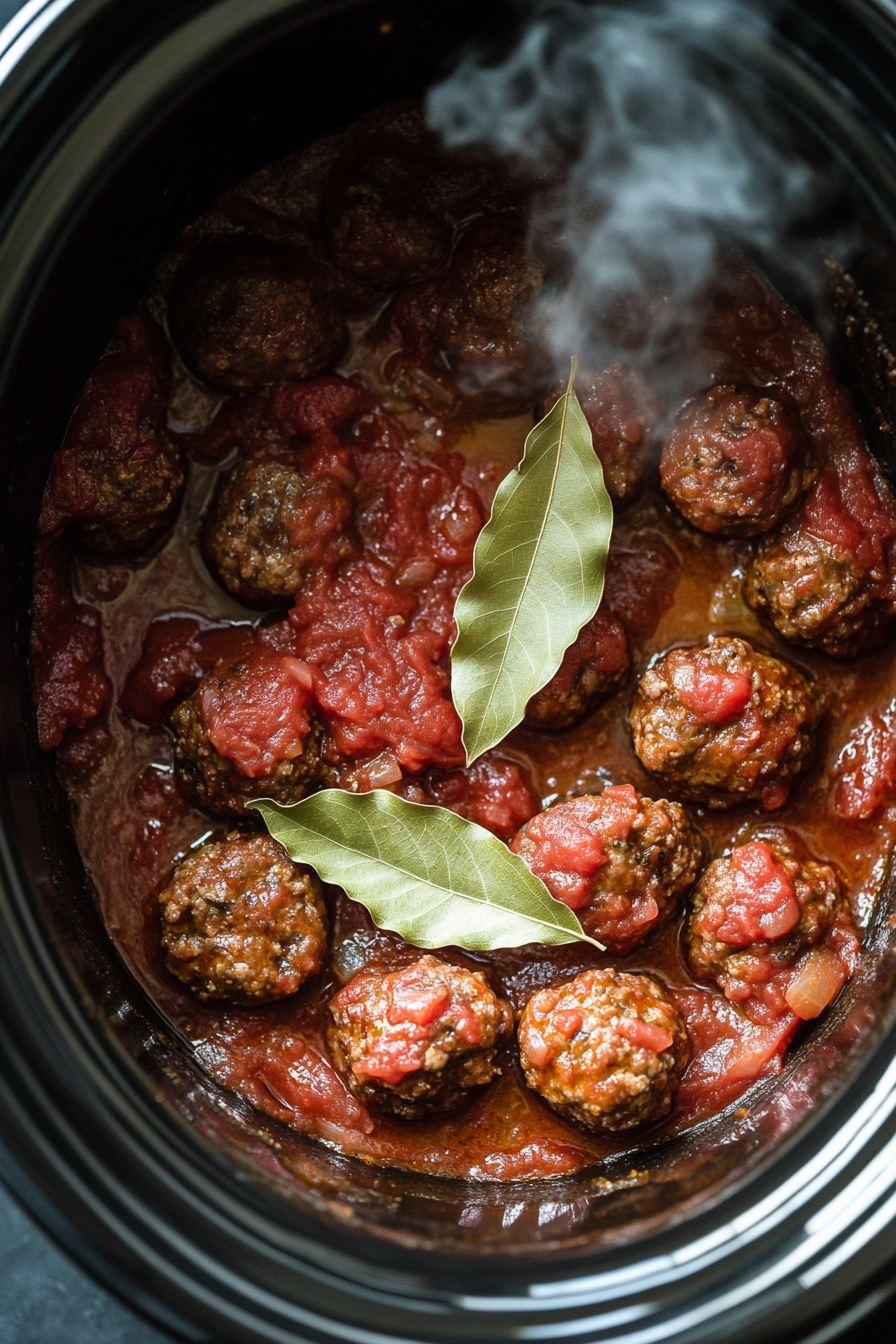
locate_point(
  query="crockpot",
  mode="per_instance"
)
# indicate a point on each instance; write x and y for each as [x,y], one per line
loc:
[120,120]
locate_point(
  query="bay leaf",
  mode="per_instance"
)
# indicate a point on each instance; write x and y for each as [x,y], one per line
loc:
[538,576]
[428,874]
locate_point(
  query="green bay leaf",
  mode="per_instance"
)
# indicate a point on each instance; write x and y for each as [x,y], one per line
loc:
[538,576]
[420,870]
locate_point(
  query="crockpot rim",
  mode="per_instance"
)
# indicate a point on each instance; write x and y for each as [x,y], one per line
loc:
[26,1186]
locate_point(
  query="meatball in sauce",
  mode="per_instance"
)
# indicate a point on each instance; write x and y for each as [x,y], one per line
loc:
[724,723]
[248,731]
[356,357]
[735,460]
[621,861]
[242,922]
[607,1049]
[416,1041]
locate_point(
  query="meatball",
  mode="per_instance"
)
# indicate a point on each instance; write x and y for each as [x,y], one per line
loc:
[416,1040]
[619,860]
[381,231]
[248,731]
[267,522]
[487,298]
[241,921]
[246,311]
[735,460]
[606,1050]
[816,593]
[620,413]
[723,724]
[593,667]
[770,923]
[117,479]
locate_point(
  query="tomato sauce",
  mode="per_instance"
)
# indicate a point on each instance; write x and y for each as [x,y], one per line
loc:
[369,633]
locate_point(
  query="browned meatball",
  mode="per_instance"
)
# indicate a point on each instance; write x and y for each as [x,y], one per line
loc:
[756,913]
[606,1050]
[723,724]
[267,522]
[415,1041]
[117,479]
[735,460]
[593,667]
[816,593]
[241,921]
[486,299]
[381,231]
[248,731]
[620,413]
[619,860]
[246,311]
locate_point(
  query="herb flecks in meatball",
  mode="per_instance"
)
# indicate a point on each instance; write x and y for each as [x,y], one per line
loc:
[772,925]
[594,666]
[415,1041]
[117,479]
[246,311]
[380,232]
[735,460]
[269,519]
[248,731]
[621,861]
[606,1050]
[242,922]
[723,724]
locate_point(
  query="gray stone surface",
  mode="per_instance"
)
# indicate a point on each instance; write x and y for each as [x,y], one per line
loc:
[46,1299]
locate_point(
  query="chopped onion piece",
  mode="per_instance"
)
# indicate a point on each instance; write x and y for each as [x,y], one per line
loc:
[382,770]
[819,978]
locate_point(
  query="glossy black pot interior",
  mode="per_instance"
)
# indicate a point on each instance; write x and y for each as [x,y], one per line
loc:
[121,122]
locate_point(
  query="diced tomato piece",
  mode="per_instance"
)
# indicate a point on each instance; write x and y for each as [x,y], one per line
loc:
[536,1048]
[392,1058]
[645,1035]
[568,1023]
[709,692]
[418,1003]
[617,812]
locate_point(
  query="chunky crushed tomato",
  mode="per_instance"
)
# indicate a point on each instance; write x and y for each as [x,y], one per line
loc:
[713,695]
[256,710]
[571,841]
[866,769]
[176,651]
[494,792]
[729,1050]
[764,905]
[70,684]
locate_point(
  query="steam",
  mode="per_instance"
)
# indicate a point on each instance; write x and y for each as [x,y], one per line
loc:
[657,146]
